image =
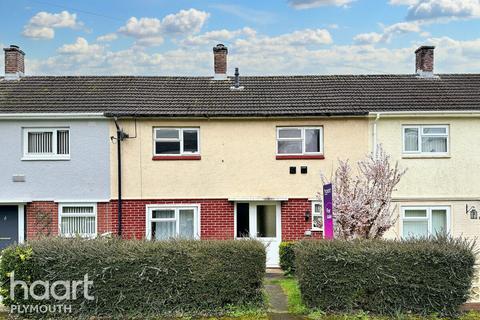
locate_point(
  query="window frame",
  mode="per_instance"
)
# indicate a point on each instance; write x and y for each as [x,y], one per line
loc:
[54,155]
[180,139]
[313,214]
[428,217]
[421,134]
[302,138]
[176,208]
[78,204]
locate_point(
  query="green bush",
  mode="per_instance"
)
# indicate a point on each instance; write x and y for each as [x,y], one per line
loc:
[423,276]
[141,278]
[287,257]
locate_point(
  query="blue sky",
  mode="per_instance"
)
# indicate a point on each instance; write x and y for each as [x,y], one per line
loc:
[264,37]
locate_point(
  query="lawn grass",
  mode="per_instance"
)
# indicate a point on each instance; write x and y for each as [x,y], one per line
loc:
[296,306]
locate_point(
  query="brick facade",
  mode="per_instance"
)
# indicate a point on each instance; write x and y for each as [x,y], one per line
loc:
[293,220]
[216,218]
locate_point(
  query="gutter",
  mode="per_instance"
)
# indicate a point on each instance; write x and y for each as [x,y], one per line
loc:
[446,113]
[56,115]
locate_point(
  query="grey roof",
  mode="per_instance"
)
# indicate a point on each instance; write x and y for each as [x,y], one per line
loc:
[261,96]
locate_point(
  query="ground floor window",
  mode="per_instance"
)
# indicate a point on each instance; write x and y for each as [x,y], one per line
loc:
[165,222]
[425,221]
[78,220]
[317,215]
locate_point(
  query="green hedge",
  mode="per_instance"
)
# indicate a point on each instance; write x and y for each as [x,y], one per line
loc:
[141,278]
[424,276]
[287,257]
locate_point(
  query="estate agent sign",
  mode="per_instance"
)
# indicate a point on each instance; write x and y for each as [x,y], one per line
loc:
[327,212]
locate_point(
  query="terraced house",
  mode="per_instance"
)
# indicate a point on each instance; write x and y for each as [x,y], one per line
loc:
[221,157]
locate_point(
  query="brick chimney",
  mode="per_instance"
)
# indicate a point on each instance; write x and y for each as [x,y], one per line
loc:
[220,53]
[14,63]
[424,61]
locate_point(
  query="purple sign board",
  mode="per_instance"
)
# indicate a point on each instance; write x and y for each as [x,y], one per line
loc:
[327,212]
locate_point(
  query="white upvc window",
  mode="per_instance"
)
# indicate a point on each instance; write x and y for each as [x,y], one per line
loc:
[77,219]
[176,141]
[426,139]
[46,144]
[299,140]
[317,215]
[425,221]
[173,221]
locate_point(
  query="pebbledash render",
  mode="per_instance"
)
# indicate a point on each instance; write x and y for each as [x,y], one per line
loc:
[228,156]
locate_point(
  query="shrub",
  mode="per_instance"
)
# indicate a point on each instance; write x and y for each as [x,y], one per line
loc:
[287,257]
[141,278]
[423,276]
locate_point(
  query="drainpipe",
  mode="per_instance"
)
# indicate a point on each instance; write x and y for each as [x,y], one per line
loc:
[121,135]
[375,134]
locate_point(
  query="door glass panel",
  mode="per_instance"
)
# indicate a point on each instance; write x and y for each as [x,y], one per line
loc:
[163,230]
[415,229]
[439,221]
[243,220]
[266,221]
[186,223]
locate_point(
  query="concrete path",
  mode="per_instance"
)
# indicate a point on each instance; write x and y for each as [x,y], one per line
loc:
[277,300]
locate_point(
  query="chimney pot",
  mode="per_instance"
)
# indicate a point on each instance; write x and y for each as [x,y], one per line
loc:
[424,61]
[14,62]
[220,53]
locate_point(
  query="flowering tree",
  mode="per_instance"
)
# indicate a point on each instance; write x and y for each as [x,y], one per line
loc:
[362,204]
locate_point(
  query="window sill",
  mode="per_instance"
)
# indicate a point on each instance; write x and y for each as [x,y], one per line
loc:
[161,158]
[300,157]
[45,158]
[426,156]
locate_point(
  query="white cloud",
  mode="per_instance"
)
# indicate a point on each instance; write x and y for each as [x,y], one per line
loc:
[308,4]
[388,33]
[43,24]
[440,9]
[107,37]
[151,31]
[184,22]
[217,36]
[80,47]
[433,9]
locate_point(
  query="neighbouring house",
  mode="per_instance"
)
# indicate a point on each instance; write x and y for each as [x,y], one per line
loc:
[55,158]
[222,157]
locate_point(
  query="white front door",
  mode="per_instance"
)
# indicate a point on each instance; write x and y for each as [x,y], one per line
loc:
[261,221]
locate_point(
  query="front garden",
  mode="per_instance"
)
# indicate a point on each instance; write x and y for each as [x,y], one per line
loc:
[337,279]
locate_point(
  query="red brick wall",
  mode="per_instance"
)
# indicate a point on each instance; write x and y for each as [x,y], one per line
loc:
[42,219]
[293,220]
[216,215]
[217,218]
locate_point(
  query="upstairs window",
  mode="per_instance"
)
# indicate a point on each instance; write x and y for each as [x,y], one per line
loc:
[46,144]
[300,141]
[78,220]
[176,141]
[428,139]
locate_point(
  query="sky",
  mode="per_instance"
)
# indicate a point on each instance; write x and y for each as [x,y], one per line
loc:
[264,37]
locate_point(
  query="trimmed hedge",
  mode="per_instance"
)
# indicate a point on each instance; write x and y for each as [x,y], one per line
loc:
[287,257]
[141,278]
[423,276]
